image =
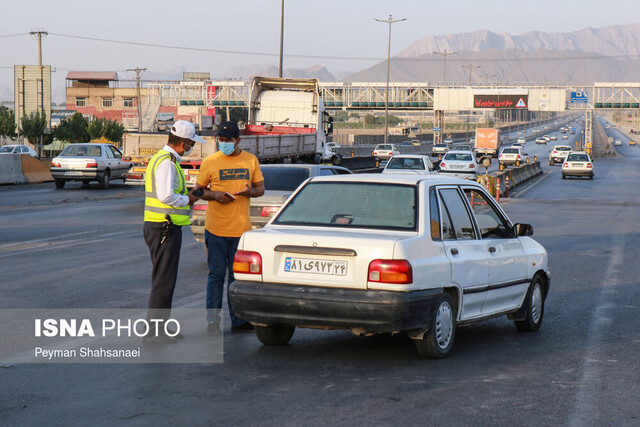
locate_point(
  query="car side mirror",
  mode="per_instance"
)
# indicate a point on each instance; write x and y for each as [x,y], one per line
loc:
[523,230]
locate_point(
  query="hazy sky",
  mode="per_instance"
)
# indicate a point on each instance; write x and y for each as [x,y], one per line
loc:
[322,28]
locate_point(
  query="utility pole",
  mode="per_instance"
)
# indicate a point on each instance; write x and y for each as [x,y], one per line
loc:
[444,68]
[281,37]
[39,33]
[487,76]
[138,71]
[386,93]
[469,67]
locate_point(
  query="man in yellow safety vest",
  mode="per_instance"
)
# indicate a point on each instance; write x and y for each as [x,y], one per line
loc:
[166,211]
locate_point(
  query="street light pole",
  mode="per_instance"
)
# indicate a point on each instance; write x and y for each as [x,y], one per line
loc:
[469,67]
[386,94]
[281,37]
[444,68]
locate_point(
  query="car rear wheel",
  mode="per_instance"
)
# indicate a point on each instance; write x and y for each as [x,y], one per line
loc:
[104,182]
[534,307]
[438,341]
[275,334]
[60,183]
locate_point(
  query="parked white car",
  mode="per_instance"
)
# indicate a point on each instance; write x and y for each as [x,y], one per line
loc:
[417,254]
[409,164]
[459,164]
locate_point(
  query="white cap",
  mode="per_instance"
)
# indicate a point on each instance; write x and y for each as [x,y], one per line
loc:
[185,129]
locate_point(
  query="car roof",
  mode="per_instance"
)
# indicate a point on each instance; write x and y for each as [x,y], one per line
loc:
[397,179]
[563,146]
[410,156]
[458,152]
[90,144]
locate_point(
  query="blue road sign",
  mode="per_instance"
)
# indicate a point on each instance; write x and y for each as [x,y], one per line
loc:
[579,97]
[435,129]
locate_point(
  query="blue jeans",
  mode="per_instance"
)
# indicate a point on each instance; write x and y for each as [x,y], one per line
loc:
[221,251]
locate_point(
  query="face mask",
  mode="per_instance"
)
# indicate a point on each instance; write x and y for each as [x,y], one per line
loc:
[227,148]
[186,153]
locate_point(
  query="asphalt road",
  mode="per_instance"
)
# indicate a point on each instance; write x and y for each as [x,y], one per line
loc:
[77,248]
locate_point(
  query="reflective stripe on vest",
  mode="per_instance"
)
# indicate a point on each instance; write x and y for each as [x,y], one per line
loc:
[154,209]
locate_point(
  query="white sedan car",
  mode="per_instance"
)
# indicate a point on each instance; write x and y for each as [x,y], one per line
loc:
[558,154]
[372,253]
[577,163]
[511,156]
[459,164]
[385,151]
[409,164]
[617,142]
[18,149]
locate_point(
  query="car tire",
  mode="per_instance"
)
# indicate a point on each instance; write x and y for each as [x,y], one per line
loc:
[564,176]
[60,183]
[591,176]
[275,334]
[551,163]
[438,340]
[534,307]
[336,160]
[104,182]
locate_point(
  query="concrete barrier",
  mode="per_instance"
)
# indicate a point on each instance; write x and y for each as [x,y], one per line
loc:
[11,169]
[35,170]
[358,162]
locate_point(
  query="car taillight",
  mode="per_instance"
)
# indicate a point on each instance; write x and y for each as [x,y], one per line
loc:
[390,271]
[565,165]
[375,153]
[518,157]
[91,165]
[442,165]
[269,210]
[247,262]
[55,164]
[471,166]
[202,207]
[134,175]
[555,152]
[589,165]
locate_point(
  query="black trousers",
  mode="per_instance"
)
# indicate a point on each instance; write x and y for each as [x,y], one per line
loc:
[165,258]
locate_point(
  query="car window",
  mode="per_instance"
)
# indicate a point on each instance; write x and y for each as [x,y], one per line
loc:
[510,151]
[577,158]
[455,207]
[81,150]
[490,223]
[116,153]
[24,149]
[434,210]
[352,205]
[5,149]
[405,163]
[284,179]
[384,147]
[108,153]
[563,148]
[326,172]
[464,157]
[340,171]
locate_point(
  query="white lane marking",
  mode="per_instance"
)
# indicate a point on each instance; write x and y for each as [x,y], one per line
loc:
[585,408]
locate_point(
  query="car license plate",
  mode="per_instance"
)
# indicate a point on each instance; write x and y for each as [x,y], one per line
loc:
[456,166]
[315,266]
[577,165]
[73,173]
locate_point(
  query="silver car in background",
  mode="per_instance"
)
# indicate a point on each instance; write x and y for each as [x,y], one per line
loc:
[89,162]
[459,164]
[410,164]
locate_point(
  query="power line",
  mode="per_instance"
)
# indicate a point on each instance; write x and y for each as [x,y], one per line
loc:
[352,58]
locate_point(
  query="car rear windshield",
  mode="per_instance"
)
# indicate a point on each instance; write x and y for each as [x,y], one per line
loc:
[81,150]
[353,205]
[563,148]
[462,157]
[510,151]
[577,158]
[284,179]
[6,149]
[384,147]
[405,163]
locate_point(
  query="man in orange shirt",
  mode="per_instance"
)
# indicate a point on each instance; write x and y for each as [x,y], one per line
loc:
[232,177]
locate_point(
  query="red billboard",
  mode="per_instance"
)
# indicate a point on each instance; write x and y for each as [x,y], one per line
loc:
[501,101]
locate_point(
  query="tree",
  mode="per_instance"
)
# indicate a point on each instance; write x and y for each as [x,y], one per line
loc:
[7,123]
[113,131]
[96,128]
[73,129]
[33,126]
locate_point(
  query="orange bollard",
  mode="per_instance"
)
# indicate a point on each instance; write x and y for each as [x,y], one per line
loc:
[506,186]
[498,189]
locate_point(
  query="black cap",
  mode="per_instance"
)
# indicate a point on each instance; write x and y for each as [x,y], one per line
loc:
[228,130]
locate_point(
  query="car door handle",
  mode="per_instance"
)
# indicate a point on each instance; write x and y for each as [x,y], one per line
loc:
[454,251]
[492,249]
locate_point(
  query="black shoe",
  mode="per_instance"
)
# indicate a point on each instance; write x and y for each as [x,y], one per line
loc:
[245,327]
[159,339]
[213,328]
[172,333]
